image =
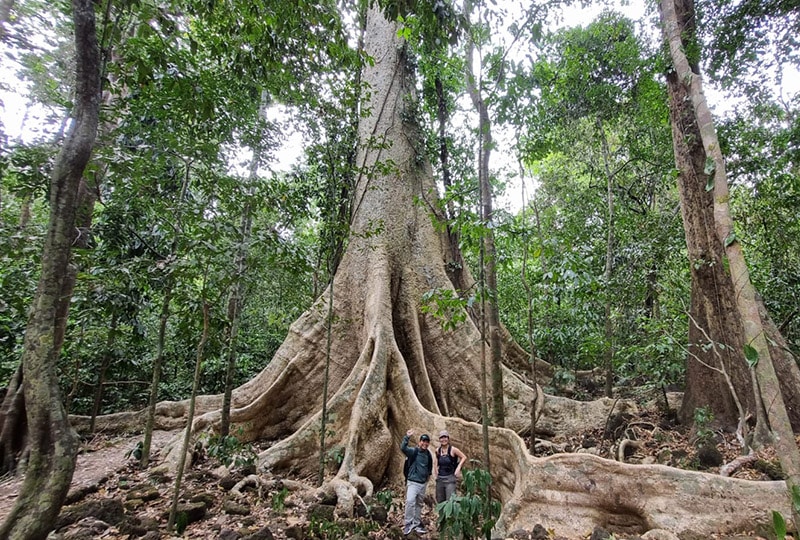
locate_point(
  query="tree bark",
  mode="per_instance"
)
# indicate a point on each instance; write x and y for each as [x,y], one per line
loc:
[712,308]
[52,442]
[13,419]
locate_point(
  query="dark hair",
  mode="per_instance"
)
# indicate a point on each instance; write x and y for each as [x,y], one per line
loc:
[425,438]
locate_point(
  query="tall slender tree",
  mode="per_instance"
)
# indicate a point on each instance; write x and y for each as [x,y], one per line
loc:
[679,34]
[235,299]
[52,442]
[718,333]
[476,91]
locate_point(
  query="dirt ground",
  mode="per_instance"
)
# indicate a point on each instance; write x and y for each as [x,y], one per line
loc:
[100,458]
[265,507]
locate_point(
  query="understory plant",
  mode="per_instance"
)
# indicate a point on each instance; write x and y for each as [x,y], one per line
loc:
[473,514]
[230,451]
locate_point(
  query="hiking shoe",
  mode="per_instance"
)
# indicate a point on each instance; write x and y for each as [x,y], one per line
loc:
[421,530]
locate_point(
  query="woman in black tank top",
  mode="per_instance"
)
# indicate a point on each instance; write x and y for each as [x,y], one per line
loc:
[450,460]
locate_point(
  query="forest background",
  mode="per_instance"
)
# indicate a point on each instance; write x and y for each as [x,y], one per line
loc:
[150,227]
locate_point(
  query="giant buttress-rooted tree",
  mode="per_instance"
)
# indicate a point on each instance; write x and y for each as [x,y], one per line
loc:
[393,367]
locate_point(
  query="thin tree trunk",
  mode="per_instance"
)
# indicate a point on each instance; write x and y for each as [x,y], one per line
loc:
[158,363]
[455,264]
[52,442]
[442,116]
[235,300]
[76,379]
[198,369]
[25,212]
[484,386]
[757,349]
[325,380]
[108,353]
[529,302]
[487,238]
[158,366]
[608,353]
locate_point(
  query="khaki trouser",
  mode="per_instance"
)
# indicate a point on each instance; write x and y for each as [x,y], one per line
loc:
[415,495]
[445,487]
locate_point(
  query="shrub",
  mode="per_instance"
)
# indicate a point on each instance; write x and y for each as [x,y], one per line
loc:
[230,451]
[472,515]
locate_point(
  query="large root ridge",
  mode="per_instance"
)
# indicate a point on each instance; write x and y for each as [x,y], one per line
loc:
[300,450]
[368,427]
[410,342]
[573,493]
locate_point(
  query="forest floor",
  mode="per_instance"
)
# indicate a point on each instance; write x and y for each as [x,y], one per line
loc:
[112,498]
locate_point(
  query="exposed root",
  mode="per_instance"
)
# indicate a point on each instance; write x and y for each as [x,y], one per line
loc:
[265,484]
[252,480]
[728,469]
[566,416]
[345,496]
[659,534]
[624,446]
[572,493]
[548,447]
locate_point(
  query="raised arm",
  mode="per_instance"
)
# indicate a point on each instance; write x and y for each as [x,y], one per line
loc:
[407,450]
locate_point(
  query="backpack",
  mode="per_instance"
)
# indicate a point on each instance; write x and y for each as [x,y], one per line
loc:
[449,447]
[407,465]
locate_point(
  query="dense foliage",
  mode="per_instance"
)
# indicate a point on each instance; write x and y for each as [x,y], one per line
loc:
[184,151]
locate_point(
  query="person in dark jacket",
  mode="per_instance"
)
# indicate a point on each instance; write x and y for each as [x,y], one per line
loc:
[449,461]
[421,465]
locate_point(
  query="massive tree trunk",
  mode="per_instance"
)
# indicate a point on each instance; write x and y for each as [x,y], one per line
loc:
[52,443]
[716,333]
[393,367]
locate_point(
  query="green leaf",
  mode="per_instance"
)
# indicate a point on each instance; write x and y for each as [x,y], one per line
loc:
[710,183]
[751,355]
[710,167]
[778,524]
[731,238]
[796,498]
